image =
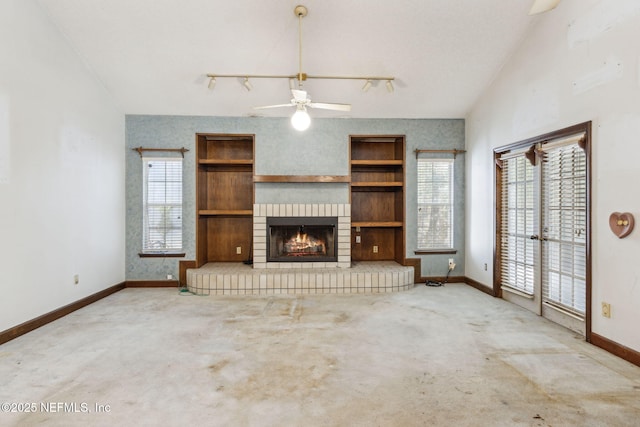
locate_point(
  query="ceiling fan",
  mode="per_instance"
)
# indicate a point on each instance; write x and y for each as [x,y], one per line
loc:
[541,6]
[301,100]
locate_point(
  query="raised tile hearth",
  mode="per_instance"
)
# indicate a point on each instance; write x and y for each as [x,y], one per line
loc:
[240,279]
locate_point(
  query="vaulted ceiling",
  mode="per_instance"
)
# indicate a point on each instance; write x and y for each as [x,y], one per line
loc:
[153,55]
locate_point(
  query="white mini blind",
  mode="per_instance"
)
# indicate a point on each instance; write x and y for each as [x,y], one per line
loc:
[435,204]
[518,223]
[162,205]
[565,227]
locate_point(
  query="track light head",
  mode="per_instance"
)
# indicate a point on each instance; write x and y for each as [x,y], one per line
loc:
[212,83]
[247,84]
[389,86]
[367,86]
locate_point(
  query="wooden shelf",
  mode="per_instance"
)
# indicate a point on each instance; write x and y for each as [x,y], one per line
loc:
[377,184]
[377,163]
[225,161]
[302,178]
[380,224]
[223,212]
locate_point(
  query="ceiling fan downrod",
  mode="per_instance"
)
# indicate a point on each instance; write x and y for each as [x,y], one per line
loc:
[300,11]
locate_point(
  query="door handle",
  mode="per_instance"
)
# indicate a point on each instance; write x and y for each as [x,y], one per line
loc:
[536,237]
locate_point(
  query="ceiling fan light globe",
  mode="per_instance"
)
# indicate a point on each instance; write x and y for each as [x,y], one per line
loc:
[300,120]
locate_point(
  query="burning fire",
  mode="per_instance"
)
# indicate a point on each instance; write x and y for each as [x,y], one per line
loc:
[302,244]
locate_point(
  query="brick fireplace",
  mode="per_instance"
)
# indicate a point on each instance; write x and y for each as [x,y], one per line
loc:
[300,277]
[301,216]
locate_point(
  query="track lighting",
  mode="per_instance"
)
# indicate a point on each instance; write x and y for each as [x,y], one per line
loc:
[389,86]
[297,79]
[300,119]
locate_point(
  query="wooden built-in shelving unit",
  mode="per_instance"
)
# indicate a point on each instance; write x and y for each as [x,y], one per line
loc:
[377,198]
[225,184]
[224,197]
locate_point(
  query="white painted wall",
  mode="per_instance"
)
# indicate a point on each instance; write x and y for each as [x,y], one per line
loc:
[580,62]
[61,171]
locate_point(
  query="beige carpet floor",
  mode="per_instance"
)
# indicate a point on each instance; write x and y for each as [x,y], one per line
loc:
[449,356]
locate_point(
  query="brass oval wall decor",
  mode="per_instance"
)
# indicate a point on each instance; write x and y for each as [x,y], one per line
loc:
[621,224]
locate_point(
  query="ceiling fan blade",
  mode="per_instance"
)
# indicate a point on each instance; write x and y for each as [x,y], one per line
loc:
[540,6]
[326,106]
[264,107]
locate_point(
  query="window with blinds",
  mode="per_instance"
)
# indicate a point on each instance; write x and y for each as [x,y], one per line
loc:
[564,210]
[518,223]
[435,204]
[162,205]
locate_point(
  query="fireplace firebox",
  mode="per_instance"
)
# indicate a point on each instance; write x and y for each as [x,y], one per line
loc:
[302,239]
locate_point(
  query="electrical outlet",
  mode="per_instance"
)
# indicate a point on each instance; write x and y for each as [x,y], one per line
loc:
[375,249]
[485,266]
[76,279]
[238,250]
[606,309]
[358,239]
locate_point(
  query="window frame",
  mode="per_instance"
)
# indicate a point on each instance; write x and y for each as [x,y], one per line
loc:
[421,228]
[172,251]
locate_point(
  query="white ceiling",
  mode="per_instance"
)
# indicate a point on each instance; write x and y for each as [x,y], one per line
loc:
[153,55]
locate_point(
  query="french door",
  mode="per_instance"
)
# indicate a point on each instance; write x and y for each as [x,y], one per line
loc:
[542,245]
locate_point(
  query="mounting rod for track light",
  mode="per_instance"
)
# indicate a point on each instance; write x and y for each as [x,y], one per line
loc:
[303,76]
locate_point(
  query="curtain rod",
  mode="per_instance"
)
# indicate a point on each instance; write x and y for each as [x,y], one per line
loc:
[141,150]
[455,152]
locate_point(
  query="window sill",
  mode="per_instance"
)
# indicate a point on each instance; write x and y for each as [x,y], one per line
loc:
[435,251]
[161,254]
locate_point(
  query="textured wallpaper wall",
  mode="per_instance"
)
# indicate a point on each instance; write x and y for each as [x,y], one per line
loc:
[280,150]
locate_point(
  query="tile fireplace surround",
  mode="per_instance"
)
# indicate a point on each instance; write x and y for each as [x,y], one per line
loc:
[262,211]
[268,278]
